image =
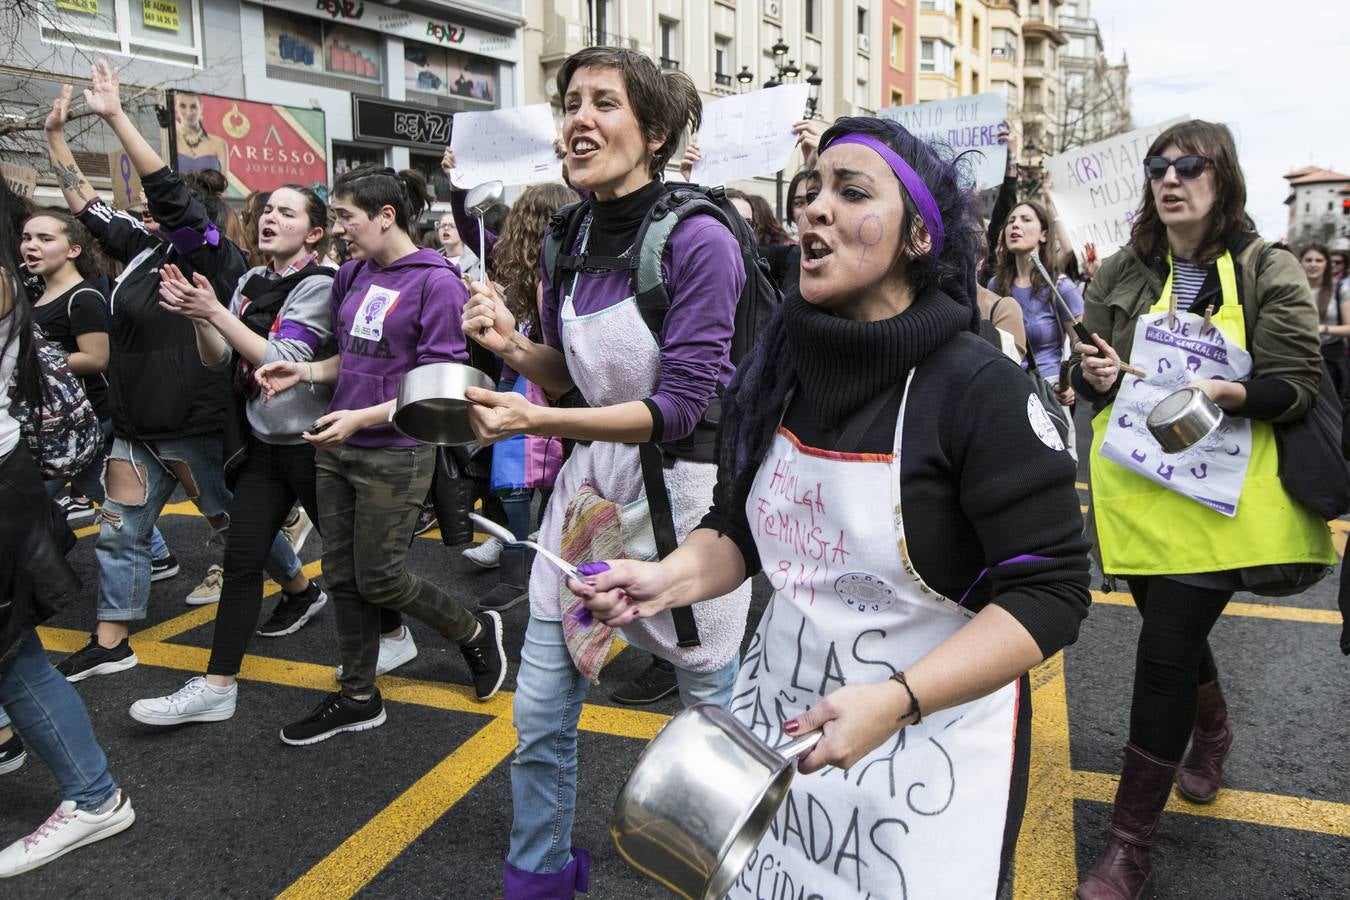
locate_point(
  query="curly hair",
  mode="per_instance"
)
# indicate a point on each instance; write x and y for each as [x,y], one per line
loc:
[515,257]
[90,263]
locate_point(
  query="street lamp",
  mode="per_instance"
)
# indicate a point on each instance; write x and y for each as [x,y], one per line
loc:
[745,76]
[813,98]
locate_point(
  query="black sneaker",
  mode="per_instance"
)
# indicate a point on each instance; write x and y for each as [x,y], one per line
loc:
[12,755]
[335,714]
[164,567]
[294,611]
[426,520]
[77,508]
[96,660]
[657,683]
[486,656]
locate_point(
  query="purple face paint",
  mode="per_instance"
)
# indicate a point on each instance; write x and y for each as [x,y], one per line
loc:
[913,184]
[871,230]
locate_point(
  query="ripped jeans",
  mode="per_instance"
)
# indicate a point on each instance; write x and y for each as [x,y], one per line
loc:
[123,548]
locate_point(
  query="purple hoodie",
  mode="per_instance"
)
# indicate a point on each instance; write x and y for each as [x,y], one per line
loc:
[387,321]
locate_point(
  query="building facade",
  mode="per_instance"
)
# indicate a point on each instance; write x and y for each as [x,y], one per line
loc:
[1095,96]
[898,30]
[354,61]
[1319,206]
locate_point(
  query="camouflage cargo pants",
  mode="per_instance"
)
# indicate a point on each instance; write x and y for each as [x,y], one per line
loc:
[368,504]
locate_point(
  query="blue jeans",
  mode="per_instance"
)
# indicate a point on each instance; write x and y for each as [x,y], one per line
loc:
[124,545]
[89,483]
[549,694]
[50,717]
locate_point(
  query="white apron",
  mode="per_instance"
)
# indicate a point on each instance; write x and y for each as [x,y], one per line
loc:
[613,358]
[923,815]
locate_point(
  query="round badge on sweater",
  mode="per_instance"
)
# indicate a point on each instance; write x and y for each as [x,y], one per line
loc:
[864,593]
[1042,424]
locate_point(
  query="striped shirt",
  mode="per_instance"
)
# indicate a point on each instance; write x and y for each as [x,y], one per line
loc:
[1187,280]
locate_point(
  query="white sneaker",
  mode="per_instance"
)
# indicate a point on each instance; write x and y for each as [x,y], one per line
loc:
[486,555]
[195,701]
[394,652]
[297,528]
[209,590]
[65,830]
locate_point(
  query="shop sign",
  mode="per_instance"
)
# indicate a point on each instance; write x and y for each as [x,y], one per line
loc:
[406,24]
[401,124]
[341,9]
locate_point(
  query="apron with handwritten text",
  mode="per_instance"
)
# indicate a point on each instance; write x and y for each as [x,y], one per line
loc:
[923,815]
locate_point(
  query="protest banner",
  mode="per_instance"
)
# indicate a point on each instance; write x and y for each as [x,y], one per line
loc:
[126,184]
[965,124]
[1097,187]
[513,146]
[749,134]
[22,180]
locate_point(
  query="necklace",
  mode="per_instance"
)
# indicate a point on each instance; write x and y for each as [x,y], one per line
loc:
[193,145]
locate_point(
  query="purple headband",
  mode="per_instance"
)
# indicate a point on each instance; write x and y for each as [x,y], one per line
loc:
[923,198]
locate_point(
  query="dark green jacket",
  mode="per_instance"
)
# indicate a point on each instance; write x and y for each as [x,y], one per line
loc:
[1277,306]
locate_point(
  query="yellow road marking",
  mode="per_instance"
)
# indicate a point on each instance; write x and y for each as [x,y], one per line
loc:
[311,676]
[1046,864]
[1253,610]
[1274,810]
[364,855]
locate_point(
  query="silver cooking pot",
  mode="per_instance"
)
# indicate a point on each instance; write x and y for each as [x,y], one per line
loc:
[431,406]
[700,799]
[1183,419]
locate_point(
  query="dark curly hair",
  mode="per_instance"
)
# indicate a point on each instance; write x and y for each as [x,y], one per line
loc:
[760,387]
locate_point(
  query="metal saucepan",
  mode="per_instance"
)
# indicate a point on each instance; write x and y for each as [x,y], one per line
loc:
[700,799]
[1183,419]
[431,406]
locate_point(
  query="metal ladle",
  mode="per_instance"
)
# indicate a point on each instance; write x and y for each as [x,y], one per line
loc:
[479,199]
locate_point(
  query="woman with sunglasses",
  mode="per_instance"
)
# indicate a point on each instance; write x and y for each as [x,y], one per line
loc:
[843,409]
[1192,242]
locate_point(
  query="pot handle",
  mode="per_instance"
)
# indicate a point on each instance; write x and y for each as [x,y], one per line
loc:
[800,746]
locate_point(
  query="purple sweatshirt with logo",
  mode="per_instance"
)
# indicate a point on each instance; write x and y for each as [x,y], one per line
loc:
[387,321]
[704,273]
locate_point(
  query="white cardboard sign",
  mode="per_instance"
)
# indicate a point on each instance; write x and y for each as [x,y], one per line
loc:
[1097,187]
[965,124]
[513,146]
[749,134]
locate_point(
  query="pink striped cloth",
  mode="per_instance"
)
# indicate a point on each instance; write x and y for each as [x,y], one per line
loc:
[590,532]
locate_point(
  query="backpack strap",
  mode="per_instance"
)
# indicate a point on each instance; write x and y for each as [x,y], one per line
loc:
[663,529]
[563,231]
[649,280]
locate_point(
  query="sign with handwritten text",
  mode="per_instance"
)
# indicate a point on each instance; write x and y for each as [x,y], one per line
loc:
[514,146]
[968,125]
[749,134]
[1097,187]
[22,180]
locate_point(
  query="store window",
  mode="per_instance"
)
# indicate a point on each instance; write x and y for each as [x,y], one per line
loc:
[445,73]
[164,30]
[353,156]
[302,44]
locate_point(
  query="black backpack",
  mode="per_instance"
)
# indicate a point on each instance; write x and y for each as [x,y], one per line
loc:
[759,298]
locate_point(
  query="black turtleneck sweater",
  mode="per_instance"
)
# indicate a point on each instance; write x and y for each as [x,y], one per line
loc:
[978,487]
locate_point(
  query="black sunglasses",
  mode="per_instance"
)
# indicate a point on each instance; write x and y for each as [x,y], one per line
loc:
[1189,166]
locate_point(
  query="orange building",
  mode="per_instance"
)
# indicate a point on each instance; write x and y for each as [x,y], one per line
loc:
[898,20]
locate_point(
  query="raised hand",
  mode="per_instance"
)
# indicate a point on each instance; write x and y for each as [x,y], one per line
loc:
[447,161]
[60,114]
[808,132]
[487,320]
[104,97]
[691,156]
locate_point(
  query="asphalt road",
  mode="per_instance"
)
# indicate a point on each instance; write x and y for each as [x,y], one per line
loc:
[421,806]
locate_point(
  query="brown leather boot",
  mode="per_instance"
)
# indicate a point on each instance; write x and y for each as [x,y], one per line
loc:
[1123,870]
[1201,772]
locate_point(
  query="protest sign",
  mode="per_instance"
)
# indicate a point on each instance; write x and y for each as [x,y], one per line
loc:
[749,134]
[513,146]
[965,124]
[22,179]
[126,184]
[1097,187]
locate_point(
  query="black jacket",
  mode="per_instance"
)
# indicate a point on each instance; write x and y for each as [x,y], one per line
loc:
[35,579]
[978,488]
[157,384]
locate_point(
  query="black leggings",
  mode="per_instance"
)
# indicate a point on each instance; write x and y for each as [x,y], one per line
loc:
[273,477]
[1172,661]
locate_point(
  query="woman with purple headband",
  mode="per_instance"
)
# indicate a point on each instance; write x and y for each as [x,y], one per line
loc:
[914,510]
